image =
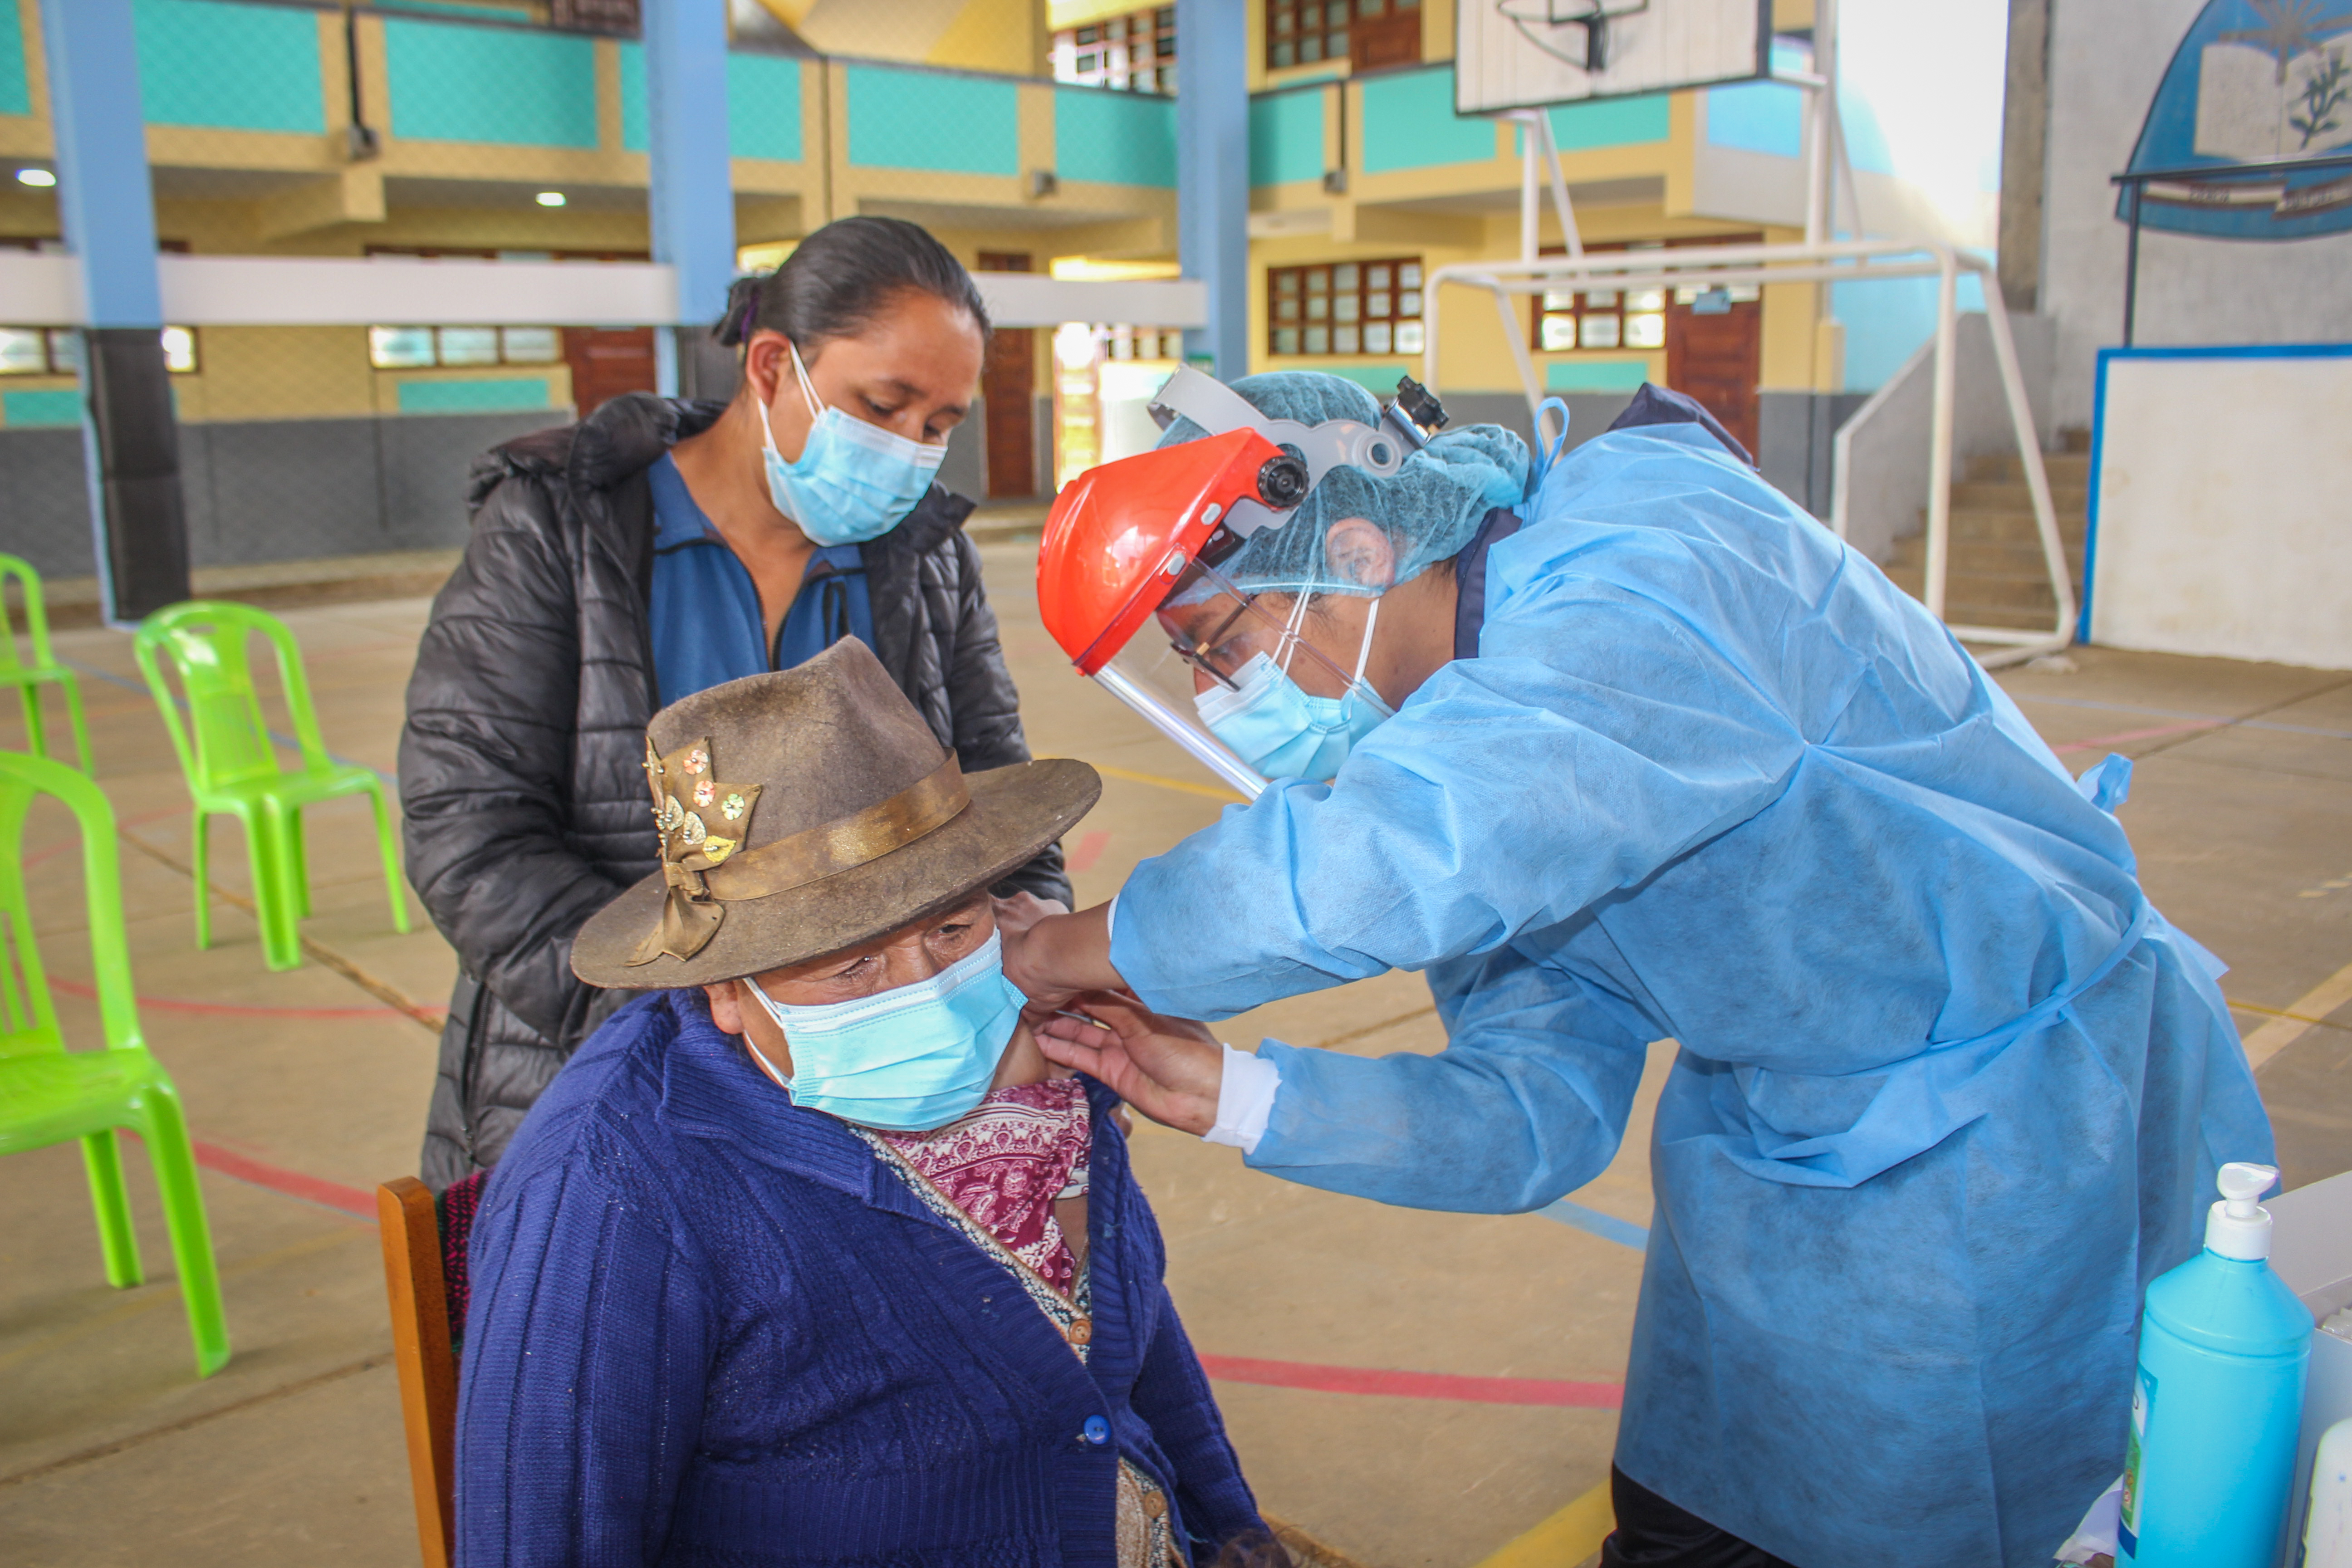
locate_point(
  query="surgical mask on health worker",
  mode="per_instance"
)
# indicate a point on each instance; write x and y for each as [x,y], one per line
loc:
[1266,679]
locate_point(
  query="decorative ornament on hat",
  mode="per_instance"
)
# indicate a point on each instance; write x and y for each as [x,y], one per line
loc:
[691,844]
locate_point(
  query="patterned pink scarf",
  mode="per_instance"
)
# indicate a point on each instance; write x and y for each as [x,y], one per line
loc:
[1006,1163]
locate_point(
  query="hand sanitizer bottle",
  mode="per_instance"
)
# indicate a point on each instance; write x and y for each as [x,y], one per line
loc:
[2218,1404]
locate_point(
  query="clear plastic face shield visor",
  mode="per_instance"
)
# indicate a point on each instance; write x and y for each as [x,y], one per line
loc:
[1130,585]
[1213,645]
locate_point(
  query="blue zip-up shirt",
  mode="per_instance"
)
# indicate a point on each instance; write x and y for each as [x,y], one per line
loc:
[706,625]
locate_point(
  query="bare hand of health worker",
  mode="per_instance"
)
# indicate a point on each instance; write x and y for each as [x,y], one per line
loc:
[1053,958]
[1016,914]
[1171,1069]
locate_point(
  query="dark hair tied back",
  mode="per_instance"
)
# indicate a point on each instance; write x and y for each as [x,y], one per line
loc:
[840,279]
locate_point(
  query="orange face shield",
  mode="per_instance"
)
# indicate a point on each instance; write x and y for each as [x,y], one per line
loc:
[1127,540]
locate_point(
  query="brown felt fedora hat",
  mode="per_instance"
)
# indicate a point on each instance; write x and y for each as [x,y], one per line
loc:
[807,811]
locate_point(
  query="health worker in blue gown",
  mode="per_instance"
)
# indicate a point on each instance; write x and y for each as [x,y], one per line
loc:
[1637,752]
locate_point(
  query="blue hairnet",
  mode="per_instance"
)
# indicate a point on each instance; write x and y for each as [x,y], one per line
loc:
[1429,508]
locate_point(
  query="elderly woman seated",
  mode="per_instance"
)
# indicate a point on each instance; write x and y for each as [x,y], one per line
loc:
[808,1256]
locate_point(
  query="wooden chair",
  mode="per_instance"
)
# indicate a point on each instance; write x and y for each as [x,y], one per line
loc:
[419,1235]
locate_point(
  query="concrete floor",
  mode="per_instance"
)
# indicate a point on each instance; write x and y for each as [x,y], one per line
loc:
[307,1088]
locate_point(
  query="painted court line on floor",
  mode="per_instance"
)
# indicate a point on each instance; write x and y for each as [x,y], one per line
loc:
[1089,850]
[285,1183]
[2096,742]
[241,1009]
[1215,792]
[2208,718]
[1571,1535]
[1607,1227]
[1310,1375]
[1444,1385]
[2309,1012]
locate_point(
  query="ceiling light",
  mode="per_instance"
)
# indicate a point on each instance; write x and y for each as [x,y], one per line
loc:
[35,177]
[549,198]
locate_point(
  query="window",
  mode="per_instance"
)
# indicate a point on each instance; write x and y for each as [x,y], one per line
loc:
[426,348]
[1136,51]
[57,351]
[1345,308]
[1567,320]
[1368,33]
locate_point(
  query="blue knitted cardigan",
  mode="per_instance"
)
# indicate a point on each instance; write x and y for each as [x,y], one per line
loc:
[710,1327]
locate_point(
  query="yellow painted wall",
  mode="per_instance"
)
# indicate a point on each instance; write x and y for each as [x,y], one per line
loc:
[1008,36]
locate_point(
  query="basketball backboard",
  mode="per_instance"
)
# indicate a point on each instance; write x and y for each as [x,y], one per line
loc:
[1525,53]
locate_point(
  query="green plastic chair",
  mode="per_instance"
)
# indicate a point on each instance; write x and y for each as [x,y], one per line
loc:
[28,676]
[49,1094]
[231,764]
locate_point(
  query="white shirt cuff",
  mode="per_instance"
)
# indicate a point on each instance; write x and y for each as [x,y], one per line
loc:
[1245,1100]
[1110,922]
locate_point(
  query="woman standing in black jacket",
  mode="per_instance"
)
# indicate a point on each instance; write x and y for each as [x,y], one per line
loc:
[657,548]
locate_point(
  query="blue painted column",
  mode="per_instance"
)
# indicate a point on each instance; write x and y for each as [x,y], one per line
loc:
[107,208]
[1213,176]
[691,203]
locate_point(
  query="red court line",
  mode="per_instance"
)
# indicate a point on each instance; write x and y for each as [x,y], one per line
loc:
[2096,742]
[276,1179]
[292,1184]
[240,1009]
[1321,1379]
[40,854]
[1414,1384]
[1089,850]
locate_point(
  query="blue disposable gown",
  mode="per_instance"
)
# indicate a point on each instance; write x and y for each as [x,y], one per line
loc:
[1949,1093]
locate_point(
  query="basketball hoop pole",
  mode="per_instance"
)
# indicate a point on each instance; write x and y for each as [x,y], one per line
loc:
[1539,150]
[1837,261]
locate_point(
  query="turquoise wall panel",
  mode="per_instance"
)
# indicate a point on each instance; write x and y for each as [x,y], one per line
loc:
[1596,374]
[229,68]
[1409,123]
[763,106]
[635,137]
[456,83]
[503,395]
[1611,122]
[931,119]
[1757,117]
[16,88]
[1285,133]
[1379,380]
[1118,138]
[39,410]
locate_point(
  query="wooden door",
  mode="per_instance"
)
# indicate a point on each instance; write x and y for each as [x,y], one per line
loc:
[1718,359]
[1008,390]
[1391,40]
[606,362]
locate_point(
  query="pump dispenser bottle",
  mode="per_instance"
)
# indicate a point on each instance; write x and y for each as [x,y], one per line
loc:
[2219,1400]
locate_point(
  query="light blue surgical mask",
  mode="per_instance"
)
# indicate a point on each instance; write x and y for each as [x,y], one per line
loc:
[1272,723]
[906,1060]
[853,481]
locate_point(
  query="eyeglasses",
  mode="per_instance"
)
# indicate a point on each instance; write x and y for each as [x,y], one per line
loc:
[1197,654]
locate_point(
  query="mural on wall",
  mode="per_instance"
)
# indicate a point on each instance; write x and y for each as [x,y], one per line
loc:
[2254,81]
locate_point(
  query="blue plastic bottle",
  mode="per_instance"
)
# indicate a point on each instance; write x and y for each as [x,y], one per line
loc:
[2218,1401]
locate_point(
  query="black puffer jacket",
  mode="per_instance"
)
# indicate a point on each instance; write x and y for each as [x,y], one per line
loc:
[520,769]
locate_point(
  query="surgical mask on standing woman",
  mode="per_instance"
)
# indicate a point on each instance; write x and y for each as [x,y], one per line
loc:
[906,1060]
[1272,723]
[853,481]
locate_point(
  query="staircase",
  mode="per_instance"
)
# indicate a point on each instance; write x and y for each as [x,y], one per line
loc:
[1998,576]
